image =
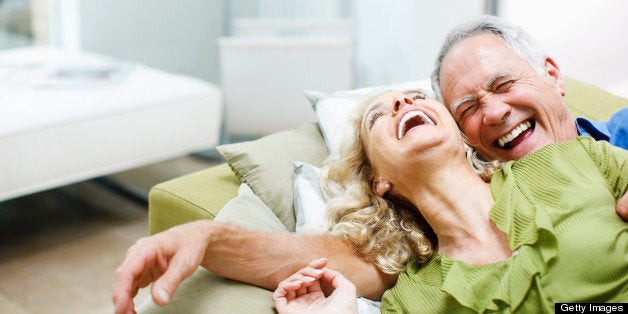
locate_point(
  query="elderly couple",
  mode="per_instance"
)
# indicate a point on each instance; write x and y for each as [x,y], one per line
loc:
[431,220]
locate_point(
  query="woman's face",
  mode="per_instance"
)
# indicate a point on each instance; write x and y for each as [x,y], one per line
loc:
[402,132]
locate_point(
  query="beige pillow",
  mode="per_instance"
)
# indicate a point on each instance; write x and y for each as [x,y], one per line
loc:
[248,210]
[266,165]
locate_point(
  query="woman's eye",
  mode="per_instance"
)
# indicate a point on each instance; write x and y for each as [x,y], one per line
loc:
[418,95]
[374,117]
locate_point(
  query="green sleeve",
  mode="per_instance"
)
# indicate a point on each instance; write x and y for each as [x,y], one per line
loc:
[409,296]
[613,163]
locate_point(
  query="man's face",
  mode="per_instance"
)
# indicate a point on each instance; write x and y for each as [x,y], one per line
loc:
[504,107]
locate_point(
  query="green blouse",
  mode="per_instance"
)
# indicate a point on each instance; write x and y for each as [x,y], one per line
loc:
[558,208]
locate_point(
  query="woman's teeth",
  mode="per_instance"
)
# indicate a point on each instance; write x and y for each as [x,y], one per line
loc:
[410,120]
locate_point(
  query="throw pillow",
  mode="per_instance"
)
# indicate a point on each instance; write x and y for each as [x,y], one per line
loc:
[309,202]
[265,165]
[248,210]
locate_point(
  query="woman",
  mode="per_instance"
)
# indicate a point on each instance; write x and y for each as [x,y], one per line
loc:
[524,241]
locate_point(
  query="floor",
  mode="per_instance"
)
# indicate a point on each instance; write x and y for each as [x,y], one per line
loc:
[59,249]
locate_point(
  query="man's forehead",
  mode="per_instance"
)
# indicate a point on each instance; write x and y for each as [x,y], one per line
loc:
[470,65]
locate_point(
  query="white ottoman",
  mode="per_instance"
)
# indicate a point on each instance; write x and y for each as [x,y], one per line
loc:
[56,130]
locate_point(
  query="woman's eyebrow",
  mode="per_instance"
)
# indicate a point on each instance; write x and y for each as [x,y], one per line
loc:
[414,93]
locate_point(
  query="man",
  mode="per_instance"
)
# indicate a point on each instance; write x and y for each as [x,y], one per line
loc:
[507,95]
[507,105]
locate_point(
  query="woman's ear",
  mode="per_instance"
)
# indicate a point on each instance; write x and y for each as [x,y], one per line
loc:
[381,187]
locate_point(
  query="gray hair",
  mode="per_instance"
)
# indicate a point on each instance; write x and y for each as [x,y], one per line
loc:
[513,36]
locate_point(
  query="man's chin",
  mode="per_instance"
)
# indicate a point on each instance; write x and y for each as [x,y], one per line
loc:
[517,153]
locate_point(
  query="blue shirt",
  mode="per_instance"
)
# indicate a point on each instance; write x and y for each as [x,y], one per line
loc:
[614,131]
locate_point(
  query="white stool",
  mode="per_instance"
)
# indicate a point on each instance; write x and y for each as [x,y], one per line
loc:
[59,130]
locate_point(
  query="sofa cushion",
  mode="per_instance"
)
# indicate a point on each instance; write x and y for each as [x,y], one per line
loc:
[199,195]
[265,165]
[591,102]
[248,210]
[205,292]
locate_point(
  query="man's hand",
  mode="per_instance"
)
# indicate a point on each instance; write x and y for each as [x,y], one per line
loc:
[301,292]
[261,258]
[166,259]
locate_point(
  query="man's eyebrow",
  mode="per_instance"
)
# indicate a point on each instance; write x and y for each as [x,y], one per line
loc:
[489,86]
[461,101]
[497,77]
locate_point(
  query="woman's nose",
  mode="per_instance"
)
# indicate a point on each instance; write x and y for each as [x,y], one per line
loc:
[398,103]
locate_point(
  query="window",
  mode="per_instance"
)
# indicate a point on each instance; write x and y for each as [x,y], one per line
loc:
[15,24]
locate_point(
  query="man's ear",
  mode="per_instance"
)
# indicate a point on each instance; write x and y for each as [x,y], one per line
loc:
[551,68]
[381,187]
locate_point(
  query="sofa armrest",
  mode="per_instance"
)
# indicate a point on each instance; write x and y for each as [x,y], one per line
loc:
[199,195]
[591,102]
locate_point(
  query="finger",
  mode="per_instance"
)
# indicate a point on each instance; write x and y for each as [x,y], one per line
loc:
[127,280]
[178,269]
[302,289]
[314,286]
[286,289]
[318,263]
[337,280]
[311,272]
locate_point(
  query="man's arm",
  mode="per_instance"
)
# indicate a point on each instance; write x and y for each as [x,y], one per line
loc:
[260,258]
[266,258]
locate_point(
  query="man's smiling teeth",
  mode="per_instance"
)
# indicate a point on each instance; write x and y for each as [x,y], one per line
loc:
[502,141]
[404,126]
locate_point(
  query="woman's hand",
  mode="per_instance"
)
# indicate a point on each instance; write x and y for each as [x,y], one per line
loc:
[301,292]
[166,259]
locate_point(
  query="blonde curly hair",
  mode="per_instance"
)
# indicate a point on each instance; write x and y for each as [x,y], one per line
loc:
[388,232]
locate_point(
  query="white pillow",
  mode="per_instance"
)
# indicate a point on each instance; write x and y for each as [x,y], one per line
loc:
[309,202]
[334,110]
[309,206]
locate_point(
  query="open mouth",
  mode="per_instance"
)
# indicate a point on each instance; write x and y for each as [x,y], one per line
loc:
[412,119]
[515,136]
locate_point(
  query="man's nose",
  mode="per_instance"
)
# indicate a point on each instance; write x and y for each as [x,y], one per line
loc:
[400,102]
[495,111]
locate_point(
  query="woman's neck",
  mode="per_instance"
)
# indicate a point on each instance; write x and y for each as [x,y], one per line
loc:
[456,203]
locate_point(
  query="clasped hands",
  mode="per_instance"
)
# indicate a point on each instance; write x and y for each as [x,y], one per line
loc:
[302,293]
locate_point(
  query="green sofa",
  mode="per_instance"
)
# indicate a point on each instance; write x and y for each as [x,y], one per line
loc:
[202,195]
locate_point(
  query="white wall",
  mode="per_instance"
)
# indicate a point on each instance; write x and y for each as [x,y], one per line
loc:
[394,42]
[399,42]
[586,38]
[178,36]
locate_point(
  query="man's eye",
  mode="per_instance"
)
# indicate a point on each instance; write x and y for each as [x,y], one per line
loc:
[503,86]
[373,117]
[467,110]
